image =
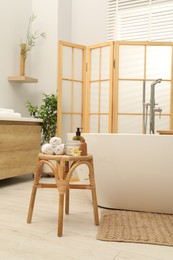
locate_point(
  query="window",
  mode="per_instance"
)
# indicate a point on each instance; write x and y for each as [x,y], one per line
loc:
[140,20]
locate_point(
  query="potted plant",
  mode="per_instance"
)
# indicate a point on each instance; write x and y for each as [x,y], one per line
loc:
[47,111]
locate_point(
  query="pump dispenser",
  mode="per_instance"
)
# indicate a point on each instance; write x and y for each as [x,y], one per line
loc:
[83,147]
[78,134]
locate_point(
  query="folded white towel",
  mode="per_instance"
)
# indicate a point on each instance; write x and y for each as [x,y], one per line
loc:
[59,149]
[54,141]
[7,110]
[47,149]
[4,114]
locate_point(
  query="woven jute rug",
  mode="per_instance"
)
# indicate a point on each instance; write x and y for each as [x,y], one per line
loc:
[136,227]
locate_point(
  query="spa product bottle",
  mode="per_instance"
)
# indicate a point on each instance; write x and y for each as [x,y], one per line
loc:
[78,136]
[72,147]
[83,147]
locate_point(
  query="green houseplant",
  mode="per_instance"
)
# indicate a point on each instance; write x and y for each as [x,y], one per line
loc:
[47,111]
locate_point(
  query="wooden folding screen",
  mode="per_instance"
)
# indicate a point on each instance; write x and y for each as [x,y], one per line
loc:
[84,88]
[71,87]
[100,86]
[138,63]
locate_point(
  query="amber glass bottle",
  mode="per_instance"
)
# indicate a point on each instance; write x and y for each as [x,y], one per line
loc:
[83,147]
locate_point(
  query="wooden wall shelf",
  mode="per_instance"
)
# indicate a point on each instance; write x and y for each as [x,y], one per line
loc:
[22,79]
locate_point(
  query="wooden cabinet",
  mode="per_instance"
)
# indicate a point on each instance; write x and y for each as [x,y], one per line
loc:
[19,145]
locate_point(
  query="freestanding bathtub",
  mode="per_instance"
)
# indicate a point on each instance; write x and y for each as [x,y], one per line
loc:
[133,172]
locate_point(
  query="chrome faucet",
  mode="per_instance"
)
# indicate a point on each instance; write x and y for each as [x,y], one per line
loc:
[152,104]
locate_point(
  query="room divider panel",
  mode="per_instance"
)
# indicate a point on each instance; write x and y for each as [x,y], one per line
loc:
[139,63]
[71,87]
[85,88]
[100,87]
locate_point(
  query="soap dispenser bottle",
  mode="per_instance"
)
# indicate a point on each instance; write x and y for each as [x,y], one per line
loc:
[78,136]
[83,147]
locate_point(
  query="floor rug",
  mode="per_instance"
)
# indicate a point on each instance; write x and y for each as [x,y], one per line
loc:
[136,227]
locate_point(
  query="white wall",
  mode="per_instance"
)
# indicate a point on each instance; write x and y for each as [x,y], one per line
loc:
[89,21]
[44,54]
[13,23]
[78,20]
[64,20]
[41,63]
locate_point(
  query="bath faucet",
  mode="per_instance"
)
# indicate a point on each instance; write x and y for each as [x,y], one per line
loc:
[155,82]
[153,109]
[158,109]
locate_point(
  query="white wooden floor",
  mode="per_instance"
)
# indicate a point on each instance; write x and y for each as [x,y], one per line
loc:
[38,240]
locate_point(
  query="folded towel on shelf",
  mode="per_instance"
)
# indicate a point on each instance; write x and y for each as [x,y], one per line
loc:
[9,110]
[47,149]
[54,141]
[4,114]
[59,149]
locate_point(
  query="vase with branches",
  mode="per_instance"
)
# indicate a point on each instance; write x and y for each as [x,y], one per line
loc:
[29,43]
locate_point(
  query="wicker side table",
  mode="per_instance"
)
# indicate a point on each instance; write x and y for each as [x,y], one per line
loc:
[62,170]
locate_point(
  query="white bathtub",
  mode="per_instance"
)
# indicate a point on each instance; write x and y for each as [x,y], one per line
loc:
[133,172]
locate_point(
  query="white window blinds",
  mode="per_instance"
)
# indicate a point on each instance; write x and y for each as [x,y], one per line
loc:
[143,20]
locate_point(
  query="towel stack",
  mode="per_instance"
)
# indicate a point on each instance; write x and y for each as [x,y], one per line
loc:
[54,146]
[8,113]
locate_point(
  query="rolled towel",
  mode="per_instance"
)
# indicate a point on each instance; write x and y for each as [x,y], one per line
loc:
[47,149]
[54,141]
[59,149]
